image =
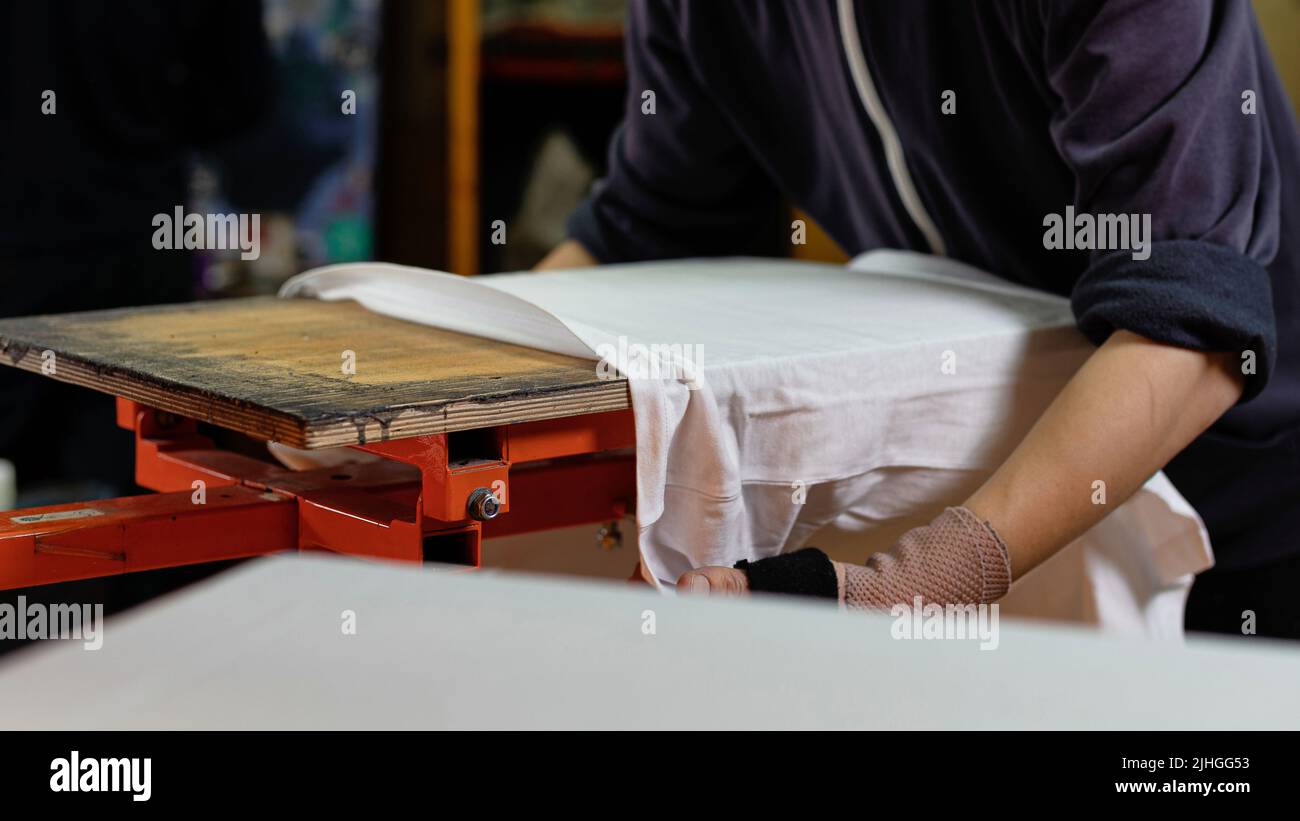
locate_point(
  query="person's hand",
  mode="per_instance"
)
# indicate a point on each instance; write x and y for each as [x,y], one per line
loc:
[566,255]
[714,581]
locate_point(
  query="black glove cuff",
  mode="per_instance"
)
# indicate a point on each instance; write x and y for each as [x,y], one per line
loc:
[806,572]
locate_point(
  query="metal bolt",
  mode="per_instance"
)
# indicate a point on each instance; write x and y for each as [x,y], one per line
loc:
[483,505]
[609,537]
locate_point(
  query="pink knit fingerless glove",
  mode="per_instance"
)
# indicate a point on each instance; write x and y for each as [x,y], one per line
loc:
[956,559]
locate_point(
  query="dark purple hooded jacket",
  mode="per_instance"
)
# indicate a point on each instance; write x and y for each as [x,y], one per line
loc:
[1127,106]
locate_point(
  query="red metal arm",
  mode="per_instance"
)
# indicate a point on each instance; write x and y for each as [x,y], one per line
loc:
[414,505]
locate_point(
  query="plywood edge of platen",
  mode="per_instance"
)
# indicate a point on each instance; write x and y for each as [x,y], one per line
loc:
[260,422]
[421,420]
[324,431]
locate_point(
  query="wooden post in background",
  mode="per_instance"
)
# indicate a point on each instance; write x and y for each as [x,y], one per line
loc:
[463,29]
[411,184]
[1279,20]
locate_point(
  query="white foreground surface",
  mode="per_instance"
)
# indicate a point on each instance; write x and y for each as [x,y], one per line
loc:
[262,647]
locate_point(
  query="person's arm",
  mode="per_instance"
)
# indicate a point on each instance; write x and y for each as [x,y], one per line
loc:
[1131,407]
[568,254]
[1129,410]
[680,181]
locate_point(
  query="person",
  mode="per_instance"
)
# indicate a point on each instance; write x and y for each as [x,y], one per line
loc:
[969,129]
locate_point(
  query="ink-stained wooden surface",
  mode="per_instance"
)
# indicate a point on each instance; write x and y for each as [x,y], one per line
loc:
[273,369]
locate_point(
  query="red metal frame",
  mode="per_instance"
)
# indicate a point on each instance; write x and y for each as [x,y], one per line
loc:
[411,505]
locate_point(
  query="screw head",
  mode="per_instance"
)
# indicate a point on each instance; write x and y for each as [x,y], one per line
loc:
[483,505]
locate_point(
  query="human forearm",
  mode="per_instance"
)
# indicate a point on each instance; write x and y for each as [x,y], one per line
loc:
[1129,410]
[568,254]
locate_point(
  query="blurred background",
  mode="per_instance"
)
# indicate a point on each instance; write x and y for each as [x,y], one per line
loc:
[467,112]
[394,130]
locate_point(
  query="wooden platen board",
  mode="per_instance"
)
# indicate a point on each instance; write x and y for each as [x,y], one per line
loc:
[274,369]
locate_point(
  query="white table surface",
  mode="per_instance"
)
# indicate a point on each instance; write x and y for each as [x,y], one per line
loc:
[262,647]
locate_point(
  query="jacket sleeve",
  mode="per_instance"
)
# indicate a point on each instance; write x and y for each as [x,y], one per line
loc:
[680,183]
[1153,113]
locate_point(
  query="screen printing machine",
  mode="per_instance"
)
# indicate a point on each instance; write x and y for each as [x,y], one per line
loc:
[467,438]
[469,429]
